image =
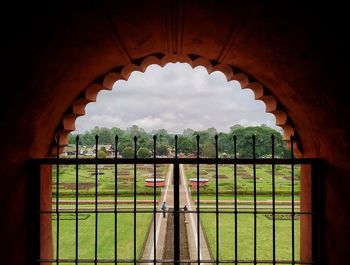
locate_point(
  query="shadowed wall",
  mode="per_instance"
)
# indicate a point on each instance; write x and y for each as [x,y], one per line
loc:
[53,52]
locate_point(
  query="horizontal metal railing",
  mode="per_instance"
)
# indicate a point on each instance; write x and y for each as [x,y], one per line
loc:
[175,161]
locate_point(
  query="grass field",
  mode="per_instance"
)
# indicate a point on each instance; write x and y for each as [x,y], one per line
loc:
[246,237]
[106,187]
[106,175]
[105,235]
[226,197]
[245,179]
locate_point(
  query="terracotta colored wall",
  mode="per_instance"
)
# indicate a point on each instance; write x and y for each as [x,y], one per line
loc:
[50,58]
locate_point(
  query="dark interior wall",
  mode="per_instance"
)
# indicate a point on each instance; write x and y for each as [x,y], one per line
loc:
[52,52]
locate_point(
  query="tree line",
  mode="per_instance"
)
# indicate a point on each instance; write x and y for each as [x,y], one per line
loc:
[187,142]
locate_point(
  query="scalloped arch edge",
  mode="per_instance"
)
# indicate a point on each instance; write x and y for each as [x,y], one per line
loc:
[77,109]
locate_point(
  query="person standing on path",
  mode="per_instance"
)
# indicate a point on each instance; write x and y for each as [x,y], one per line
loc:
[163,208]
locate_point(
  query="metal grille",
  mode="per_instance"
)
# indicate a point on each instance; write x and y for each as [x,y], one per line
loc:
[235,211]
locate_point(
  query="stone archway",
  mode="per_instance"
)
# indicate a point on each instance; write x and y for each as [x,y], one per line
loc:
[52,56]
[107,81]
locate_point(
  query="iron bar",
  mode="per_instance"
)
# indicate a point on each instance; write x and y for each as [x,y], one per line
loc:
[198,205]
[57,198]
[235,190]
[254,178]
[76,199]
[122,211]
[273,202]
[176,206]
[154,199]
[135,170]
[217,199]
[116,200]
[77,209]
[225,161]
[96,201]
[171,261]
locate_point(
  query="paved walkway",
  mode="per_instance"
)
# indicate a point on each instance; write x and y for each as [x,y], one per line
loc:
[161,223]
[192,228]
[191,224]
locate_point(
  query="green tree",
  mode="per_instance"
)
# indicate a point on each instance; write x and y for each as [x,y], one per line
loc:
[105,136]
[225,143]
[185,145]
[143,153]
[71,138]
[208,149]
[127,152]
[235,127]
[101,154]
[163,149]
[263,142]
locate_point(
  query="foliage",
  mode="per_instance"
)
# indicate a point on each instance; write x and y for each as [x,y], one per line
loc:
[245,232]
[127,152]
[143,153]
[101,154]
[187,141]
[208,150]
[105,246]
[163,149]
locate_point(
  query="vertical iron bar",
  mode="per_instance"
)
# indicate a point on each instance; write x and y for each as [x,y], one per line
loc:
[273,201]
[96,208]
[154,199]
[135,157]
[57,197]
[235,187]
[255,215]
[217,199]
[198,221]
[176,207]
[76,197]
[293,211]
[116,201]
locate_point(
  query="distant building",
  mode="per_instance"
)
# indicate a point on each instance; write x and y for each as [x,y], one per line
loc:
[109,149]
[69,150]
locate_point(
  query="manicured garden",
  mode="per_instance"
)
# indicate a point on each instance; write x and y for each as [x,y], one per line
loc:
[245,222]
[106,189]
[245,235]
[245,180]
[106,180]
[105,245]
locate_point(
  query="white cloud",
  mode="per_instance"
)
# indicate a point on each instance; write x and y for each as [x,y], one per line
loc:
[174,98]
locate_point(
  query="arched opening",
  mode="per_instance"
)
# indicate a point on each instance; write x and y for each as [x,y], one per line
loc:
[107,81]
[269,101]
[52,56]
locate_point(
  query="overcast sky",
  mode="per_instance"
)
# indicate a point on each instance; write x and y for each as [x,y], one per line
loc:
[175,97]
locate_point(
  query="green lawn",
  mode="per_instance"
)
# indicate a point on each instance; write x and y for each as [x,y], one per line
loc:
[245,179]
[246,237]
[106,185]
[106,188]
[245,197]
[105,235]
[245,182]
